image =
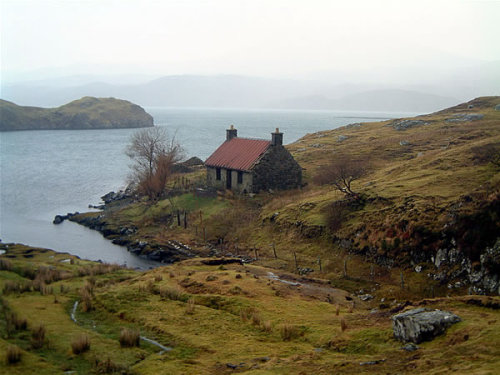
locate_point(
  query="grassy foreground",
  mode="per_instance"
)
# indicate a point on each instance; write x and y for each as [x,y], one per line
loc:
[218,319]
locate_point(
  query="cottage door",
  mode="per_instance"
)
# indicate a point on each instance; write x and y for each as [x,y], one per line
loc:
[228,178]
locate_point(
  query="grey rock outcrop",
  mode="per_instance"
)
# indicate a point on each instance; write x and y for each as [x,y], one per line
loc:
[420,324]
[463,117]
[407,124]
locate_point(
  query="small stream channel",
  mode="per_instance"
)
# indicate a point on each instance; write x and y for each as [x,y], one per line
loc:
[143,338]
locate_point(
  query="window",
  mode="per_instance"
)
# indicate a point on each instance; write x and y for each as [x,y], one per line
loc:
[217,174]
[240,177]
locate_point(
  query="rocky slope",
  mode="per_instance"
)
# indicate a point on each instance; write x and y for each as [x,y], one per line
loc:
[85,113]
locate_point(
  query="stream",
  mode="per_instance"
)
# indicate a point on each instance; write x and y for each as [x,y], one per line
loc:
[143,338]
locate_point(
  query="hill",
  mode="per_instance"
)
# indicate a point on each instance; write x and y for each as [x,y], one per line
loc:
[85,113]
[429,204]
[233,91]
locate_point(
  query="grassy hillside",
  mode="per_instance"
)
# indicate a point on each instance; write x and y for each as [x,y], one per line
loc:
[432,184]
[85,113]
[217,319]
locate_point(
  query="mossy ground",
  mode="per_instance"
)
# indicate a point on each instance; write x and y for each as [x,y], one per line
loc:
[227,319]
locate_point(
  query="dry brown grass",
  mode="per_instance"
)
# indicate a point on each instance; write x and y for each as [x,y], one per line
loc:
[13,354]
[171,293]
[288,332]
[190,306]
[5,264]
[86,299]
[38,336]
[343,324]
[129,337]
[107,366]
[80,344]
[20,324]
[267,326]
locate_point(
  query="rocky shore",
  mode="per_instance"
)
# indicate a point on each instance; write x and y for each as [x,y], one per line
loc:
[169,252]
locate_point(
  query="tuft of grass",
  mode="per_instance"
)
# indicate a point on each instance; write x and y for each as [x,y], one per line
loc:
[337,310]
[190,306]
[13,354]
[5,265]
[267,326]
[173,294]
[80,344]
[343,324]
[107,366]
[86,297]
[20,324]
[158,278]
[129,337]
[38,336]
[288,332]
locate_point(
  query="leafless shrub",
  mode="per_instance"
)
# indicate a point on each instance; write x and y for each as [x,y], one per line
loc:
[38,336]
[341,173]
[80,344]
[13,354]
[154,155]
[129,337]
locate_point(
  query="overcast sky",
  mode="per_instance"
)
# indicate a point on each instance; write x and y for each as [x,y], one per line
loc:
[271,38]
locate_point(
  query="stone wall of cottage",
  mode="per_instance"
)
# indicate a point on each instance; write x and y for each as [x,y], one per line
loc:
[276,169]
[244,187]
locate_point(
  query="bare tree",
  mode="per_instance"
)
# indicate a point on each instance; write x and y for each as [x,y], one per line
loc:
[154,153]
[341,172]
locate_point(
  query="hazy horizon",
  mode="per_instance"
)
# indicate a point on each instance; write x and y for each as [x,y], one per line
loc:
[441,47]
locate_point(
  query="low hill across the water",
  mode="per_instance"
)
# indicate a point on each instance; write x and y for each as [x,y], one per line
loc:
[85,113]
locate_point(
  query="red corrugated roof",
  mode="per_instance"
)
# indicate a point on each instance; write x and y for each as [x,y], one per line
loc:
[238,153]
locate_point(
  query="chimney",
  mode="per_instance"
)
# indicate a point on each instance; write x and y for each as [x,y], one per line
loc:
[277,138]
[231,133]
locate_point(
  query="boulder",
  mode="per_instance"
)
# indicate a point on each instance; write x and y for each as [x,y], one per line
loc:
[58,219]
[421,324]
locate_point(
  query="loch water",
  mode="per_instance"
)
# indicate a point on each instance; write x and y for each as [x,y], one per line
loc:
[45,173]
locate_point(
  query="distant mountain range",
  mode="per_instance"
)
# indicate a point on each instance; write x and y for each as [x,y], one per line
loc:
[85,113]
[233,91]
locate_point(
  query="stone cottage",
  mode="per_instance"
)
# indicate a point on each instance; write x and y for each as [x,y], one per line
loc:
[251,165]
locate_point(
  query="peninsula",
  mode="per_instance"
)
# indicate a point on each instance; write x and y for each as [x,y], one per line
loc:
[85,113]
